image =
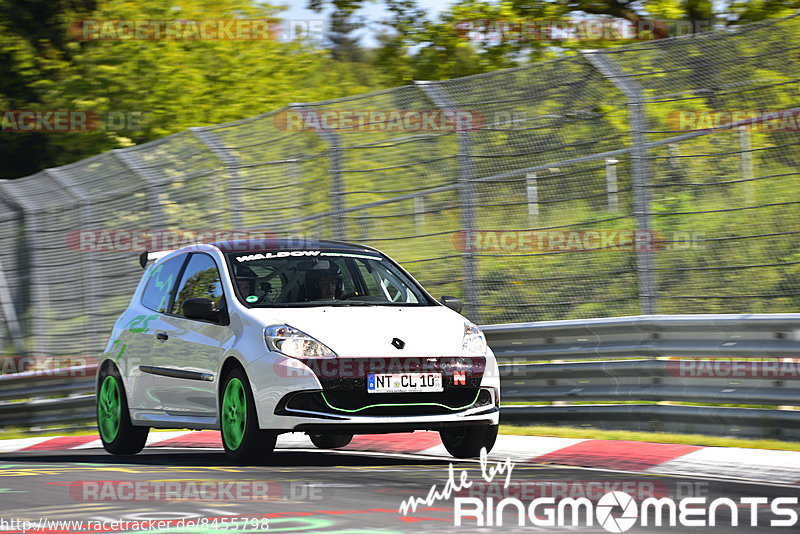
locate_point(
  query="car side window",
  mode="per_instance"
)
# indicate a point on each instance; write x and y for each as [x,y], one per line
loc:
[200,279]
[158,290]
[370,280]
[389,286]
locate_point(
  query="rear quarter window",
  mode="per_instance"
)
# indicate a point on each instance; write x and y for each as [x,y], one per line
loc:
[158,290]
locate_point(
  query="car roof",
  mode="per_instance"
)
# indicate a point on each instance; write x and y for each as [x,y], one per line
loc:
[239,245]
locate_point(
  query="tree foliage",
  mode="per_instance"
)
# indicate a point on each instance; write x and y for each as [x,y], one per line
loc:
[175,85]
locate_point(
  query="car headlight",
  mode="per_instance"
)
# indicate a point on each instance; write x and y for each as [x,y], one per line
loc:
[474,341]
[295,343]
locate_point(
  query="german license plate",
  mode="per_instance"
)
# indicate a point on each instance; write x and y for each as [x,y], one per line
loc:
[404,383]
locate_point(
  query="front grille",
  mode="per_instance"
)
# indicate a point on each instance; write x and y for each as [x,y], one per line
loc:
[357,403]
[344,387]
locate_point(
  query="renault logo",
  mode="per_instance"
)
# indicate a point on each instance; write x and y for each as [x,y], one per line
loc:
[398,343]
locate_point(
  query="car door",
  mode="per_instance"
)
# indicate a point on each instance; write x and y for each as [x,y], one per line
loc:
[139,335]
[186,361]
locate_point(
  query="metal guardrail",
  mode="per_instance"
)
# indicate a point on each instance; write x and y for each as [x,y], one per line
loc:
[749,335]
[750,365]
[758,369]
[48,397]
[729,382]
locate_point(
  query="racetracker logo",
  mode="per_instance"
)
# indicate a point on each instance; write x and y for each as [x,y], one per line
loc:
[193,490]
[397,120]
[583,29]
[153,240]
[788,368]
[174,490]
[69,121]
[54,366]
[755,120]
[198,30]
[556,240]
[527,490]
[171,30]
[459,368]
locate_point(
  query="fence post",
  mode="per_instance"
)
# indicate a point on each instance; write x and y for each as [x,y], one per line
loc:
[336,191]
[746,160]
[419,214]
[640,172]
[206,136]
[532,191]
[466,193]
[611,184]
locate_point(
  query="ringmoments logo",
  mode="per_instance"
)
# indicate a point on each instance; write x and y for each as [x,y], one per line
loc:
[615,511]
[605,508]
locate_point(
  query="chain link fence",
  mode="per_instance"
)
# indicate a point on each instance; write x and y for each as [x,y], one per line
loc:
[601,184]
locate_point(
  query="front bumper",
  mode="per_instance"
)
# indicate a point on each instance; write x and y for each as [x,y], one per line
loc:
[321,423]
[341,399]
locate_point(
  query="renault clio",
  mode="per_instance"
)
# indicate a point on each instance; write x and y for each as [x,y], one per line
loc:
[326,338]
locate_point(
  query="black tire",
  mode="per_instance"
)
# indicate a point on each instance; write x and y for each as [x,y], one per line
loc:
[467,441]
[330,441]
[254,446]
[127,439]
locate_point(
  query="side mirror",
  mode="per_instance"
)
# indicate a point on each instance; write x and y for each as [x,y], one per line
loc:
[200,308]
[453,303]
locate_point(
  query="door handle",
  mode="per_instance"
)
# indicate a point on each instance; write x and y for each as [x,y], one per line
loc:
[162,336]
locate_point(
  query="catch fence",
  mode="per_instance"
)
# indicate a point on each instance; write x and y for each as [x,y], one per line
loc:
[657,177]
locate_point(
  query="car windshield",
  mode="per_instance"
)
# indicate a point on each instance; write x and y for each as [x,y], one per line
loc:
[307,278]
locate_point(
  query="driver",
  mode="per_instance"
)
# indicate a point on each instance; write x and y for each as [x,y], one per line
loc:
[327,283]
[246,281]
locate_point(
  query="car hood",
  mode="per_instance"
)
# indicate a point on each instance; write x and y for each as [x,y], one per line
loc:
[369,330]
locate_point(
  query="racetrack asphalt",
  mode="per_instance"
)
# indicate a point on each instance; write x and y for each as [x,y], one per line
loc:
[309,490]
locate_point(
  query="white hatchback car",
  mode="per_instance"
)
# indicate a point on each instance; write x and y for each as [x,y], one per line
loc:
[323,337]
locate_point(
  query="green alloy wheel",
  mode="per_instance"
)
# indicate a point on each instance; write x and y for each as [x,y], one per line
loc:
[234,414]
[244,442]
[117,433]
[109,409]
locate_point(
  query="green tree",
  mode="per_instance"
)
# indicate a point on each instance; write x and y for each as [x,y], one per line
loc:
[174,85]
